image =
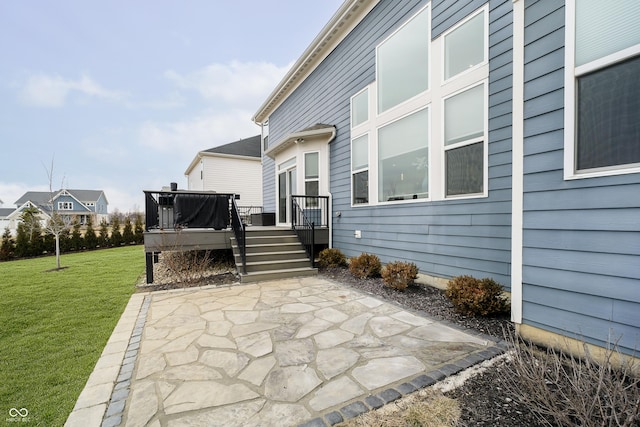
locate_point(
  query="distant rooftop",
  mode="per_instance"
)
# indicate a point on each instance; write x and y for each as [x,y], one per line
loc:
[249,147]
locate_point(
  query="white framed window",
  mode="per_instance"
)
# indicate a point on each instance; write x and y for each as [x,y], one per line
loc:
[90,204]
[465,45]
[311,174]
[429,144]
[602,88]
[464,136]
[402,62]
[360,170]
[65,206]
[403,158]
[360,108]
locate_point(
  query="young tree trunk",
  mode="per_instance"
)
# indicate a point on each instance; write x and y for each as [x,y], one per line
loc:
[58,251]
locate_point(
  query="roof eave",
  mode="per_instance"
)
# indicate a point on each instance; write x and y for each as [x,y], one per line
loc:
[293,138]
[350,13]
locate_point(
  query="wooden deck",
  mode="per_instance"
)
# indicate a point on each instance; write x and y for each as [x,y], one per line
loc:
[190,239]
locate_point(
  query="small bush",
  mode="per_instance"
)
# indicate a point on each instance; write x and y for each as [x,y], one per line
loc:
[331,258]
[365,265]
[399,275]
[476,297]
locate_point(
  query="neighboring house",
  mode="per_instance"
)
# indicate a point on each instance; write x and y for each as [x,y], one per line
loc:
[78,204]
[496,139]
[4,218]
[231,168]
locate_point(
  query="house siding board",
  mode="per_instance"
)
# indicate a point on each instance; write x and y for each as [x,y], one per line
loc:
[268,185]
[444,238]
[594,331]
[581,238]
[447,13]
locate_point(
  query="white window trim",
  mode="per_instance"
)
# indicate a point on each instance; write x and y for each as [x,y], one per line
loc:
[376,111]
[363,169]
[373,177]
[65,206]
[363,125]
[477,75]
[484,139]
[485,61]
[571,74]
[304,176]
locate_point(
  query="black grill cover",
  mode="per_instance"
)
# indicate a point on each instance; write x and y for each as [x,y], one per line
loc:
[201,211]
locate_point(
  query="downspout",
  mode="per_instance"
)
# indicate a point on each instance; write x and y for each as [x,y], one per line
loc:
[517,162]
[330,222]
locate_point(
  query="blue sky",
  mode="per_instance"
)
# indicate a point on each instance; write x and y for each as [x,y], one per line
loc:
[122,95]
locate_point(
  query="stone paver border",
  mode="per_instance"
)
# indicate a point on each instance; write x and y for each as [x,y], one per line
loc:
[114,365]
[389,395]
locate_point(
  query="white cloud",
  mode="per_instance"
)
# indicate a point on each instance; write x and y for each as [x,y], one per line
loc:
[52,91]
[244,84]
[12,191]
[199,133]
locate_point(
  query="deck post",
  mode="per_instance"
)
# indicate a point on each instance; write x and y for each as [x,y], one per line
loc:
[149,262]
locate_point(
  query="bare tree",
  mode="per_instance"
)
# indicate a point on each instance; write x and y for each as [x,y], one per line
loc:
[58,223]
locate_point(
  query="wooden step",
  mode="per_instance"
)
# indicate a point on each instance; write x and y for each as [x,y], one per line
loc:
[272,254]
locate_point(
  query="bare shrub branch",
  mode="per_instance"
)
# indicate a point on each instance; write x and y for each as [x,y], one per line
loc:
[562,389]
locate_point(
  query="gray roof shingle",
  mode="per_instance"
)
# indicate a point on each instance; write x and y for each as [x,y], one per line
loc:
[249,147]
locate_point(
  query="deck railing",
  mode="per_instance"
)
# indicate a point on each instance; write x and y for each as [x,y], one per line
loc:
[170,210]
[192,209]
[240,232]
[307,214]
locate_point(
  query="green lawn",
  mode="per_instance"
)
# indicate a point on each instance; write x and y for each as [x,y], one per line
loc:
[54,325]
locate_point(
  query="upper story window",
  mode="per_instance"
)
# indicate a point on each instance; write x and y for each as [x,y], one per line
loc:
[464,47]
[602,88]
[90,204]
[420,142]
[403,62]
[65,206]
[360,108]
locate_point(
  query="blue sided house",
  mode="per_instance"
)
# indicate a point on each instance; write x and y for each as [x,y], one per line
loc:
[492,138]
[81,205]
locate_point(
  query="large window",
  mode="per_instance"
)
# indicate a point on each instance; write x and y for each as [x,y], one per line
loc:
[65,206]
[419,132]
[602,88]
[360,169]
[403,62]
[403,158]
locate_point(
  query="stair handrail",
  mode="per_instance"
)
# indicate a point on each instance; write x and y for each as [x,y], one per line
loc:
[304,228]
[239,231]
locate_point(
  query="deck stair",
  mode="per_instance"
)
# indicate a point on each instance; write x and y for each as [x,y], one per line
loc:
[272,253]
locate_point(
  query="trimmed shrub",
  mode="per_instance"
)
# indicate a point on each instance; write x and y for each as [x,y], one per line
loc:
[476,297]
[399,275]
[331,258]
[365,265]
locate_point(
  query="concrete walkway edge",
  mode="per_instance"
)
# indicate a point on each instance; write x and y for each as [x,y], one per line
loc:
[91,405]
